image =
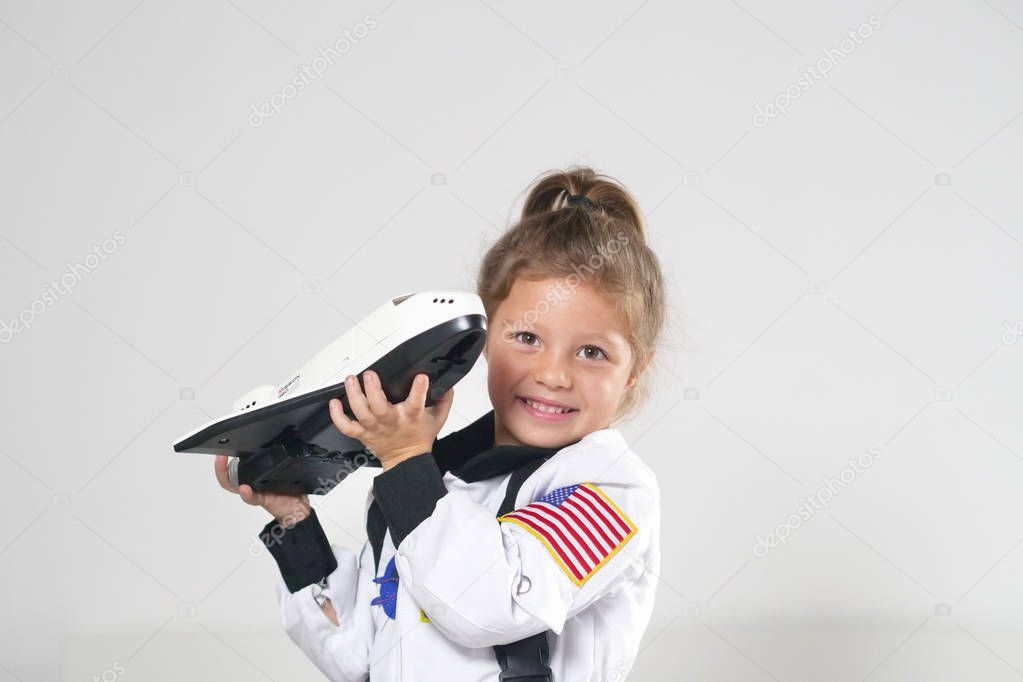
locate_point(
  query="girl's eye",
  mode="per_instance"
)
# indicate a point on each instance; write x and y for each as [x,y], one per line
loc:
[517,335]
[598,349]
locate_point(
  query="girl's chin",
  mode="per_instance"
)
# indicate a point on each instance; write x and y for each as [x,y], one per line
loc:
[538,439]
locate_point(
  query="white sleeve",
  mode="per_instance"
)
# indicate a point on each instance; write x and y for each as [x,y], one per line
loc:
[340,651]
[484,581]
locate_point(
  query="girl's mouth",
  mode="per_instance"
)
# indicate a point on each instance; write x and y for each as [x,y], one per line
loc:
[545,412]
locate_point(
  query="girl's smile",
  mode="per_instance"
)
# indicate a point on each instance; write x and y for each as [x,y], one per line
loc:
[545,409]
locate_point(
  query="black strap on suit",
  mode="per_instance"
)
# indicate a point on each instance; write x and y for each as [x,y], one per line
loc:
[526,660]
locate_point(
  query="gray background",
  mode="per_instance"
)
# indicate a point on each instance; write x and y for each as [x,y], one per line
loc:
[848,275]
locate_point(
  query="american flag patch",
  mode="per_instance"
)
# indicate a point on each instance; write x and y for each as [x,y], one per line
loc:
[580,526]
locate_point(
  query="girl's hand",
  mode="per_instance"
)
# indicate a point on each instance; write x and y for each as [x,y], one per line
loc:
[287,509]
[393,432]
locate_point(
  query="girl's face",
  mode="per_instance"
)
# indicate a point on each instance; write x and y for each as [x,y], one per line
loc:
[574,355]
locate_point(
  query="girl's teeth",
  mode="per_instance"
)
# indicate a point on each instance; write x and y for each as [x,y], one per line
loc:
[546,408]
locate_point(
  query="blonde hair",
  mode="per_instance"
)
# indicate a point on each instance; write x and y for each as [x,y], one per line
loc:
[601,242]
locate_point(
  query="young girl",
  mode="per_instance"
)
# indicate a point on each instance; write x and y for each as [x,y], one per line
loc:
[524,546]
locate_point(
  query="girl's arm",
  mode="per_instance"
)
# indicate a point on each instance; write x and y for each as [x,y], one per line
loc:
[321,567]
[336,636]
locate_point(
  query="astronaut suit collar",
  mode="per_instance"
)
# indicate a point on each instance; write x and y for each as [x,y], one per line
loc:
[470,453]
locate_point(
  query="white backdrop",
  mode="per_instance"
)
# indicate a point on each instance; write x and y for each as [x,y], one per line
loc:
[832,188]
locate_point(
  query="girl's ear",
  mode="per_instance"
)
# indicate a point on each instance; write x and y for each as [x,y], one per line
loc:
[640,369]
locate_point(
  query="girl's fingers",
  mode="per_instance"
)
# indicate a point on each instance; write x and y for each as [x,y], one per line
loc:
[340,419]
[446,399]
[250,496]
[220,467]
[417,396]
[378,401]
[442,407]
[245,492]
[357,400]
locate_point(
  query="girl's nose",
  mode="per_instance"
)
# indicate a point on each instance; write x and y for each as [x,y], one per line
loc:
[551,373]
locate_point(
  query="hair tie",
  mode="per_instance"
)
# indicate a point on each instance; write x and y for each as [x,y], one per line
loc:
[574,199]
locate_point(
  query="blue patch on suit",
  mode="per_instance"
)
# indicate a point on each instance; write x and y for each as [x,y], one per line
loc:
[388,589]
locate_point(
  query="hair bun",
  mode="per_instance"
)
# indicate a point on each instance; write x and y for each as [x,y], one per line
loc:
[584,188]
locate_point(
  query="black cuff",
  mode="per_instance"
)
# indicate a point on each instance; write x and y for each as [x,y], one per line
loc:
[407,494]
[302,552]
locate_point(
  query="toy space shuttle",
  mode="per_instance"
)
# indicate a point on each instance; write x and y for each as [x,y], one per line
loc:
[280,436]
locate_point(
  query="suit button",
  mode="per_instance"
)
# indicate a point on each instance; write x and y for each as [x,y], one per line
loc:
[524,585]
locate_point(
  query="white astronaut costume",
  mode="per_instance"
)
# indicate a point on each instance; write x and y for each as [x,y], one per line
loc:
[579,556]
